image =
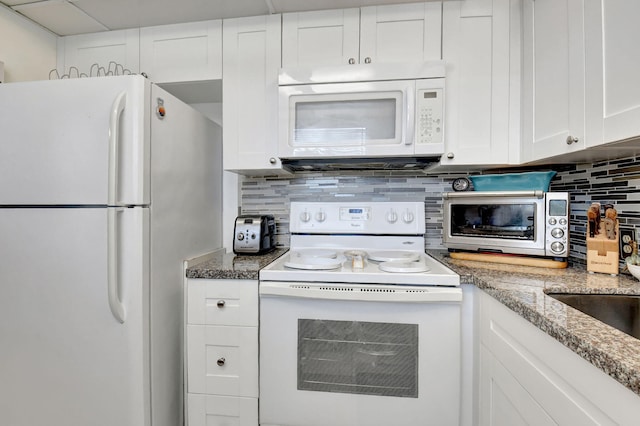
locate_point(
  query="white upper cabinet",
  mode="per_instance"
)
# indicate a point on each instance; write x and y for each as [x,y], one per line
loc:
[481,48]
[182,52]
[251,62]
[554,78]
[389,33]
[581,79]
[99,53]
[612,70]
[326,37]
[401,33]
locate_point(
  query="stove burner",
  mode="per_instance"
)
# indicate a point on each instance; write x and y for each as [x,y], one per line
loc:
[394,256]
[404,267]
[313,263]
[315,252]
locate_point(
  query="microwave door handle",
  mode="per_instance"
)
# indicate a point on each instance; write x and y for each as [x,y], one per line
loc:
[410,107]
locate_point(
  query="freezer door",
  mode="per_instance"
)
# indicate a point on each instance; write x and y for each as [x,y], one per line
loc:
[67,358]
[77,141]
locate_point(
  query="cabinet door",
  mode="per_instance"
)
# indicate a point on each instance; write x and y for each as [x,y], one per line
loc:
[87,52]
[613,70]
[528,377]
[320,38]
[251,62]
[482,57]
[554,78]
[505,402]
[401,33]
[214,410]
[182,52]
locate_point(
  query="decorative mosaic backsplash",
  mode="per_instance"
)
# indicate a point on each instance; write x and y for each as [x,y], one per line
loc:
[616,182]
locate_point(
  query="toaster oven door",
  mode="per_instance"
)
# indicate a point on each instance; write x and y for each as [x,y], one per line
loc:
[495,223]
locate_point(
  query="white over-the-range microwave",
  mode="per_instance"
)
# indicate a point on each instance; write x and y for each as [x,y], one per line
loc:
[362,111]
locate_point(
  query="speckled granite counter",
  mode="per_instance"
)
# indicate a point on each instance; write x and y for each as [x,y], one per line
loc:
[231,267]
[523,289]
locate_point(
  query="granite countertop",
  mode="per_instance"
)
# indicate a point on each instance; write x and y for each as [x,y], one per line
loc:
[233,267]
[524,290]
[521,288]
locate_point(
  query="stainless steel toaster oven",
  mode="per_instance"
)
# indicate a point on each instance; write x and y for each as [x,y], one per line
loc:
[519,222]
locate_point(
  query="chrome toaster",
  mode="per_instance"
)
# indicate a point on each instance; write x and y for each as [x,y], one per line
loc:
[254,234]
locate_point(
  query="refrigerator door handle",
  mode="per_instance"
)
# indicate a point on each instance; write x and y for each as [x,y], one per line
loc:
[114,141]
[116,306]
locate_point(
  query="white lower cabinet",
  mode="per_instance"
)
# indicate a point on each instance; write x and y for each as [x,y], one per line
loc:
[529,378]
[222,352]
[213,410]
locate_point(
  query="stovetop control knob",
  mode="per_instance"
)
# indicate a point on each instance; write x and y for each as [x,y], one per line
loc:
[305,216]
[321,216]
[392,216]
[408,217]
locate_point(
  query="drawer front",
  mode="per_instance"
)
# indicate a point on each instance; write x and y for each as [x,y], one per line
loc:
[213,410]
[222,360]
[222,302]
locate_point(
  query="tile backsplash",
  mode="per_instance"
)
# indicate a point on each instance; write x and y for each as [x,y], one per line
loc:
[616,182]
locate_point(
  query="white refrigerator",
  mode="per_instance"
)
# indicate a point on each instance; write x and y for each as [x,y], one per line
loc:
[106,185]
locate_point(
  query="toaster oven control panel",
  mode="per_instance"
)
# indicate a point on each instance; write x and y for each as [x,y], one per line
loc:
[557,224]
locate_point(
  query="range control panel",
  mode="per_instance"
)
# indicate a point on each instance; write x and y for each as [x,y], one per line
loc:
[394,218]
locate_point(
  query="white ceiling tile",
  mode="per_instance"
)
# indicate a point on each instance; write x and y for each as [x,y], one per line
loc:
[15,2]
[60,16]
[66,17]
[120,14]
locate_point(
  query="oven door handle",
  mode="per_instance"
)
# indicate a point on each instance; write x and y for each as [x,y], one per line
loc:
[356,292]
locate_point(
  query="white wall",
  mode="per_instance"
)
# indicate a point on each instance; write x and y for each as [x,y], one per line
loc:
[230,182]
[27,50]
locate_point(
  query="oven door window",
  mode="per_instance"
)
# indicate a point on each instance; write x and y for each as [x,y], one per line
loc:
[367,358]
[508,221]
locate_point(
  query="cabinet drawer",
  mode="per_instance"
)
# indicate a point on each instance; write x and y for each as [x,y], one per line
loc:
[222,360]
[222,302]
[209,410]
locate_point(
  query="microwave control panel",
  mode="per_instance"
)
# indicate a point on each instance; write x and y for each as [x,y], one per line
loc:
[429,116]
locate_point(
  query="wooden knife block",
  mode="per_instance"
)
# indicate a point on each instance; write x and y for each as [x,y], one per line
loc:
[603,253]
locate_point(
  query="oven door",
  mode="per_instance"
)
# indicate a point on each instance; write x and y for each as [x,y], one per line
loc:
[359,355]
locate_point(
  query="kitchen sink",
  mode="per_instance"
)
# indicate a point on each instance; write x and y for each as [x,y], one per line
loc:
[618,311]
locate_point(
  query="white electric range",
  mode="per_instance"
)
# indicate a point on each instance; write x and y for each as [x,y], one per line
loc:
[358,326]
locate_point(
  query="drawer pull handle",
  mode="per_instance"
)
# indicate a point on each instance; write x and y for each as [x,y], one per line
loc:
[220,361]
[220,303]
